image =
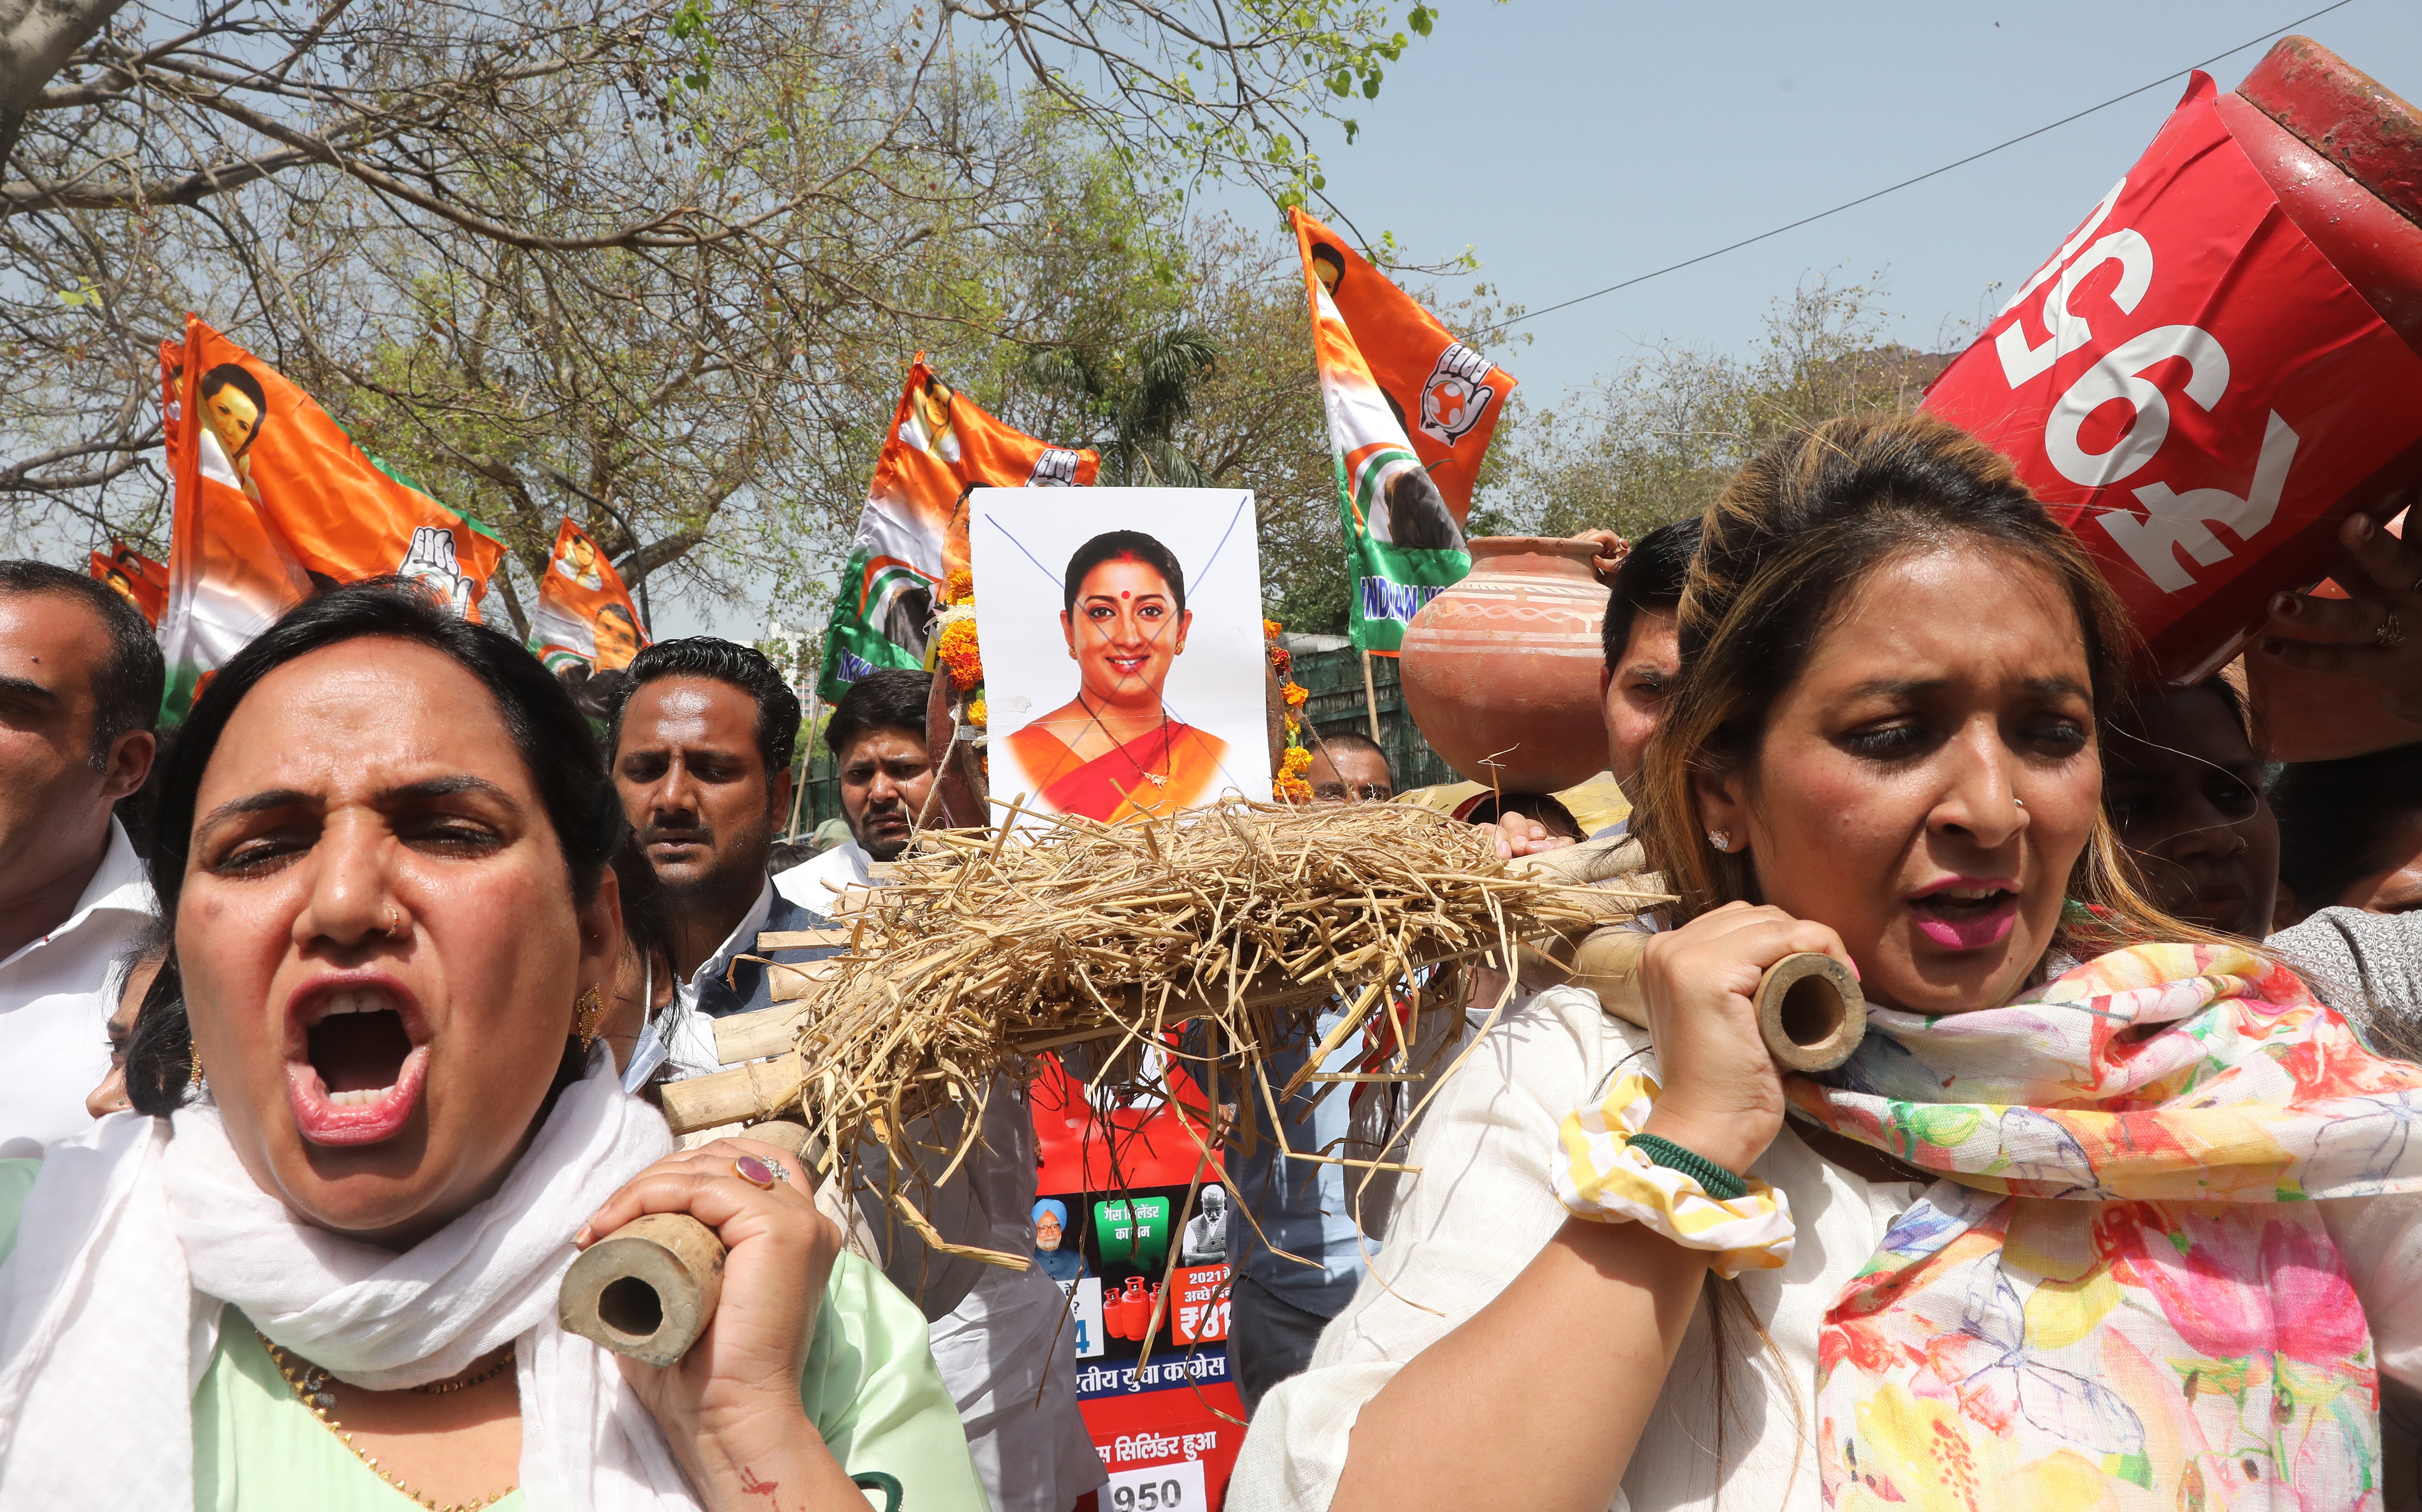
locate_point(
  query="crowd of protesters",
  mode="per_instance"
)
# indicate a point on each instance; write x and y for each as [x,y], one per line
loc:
[389,879]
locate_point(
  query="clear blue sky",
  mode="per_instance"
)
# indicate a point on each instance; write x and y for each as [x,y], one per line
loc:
[1574,142]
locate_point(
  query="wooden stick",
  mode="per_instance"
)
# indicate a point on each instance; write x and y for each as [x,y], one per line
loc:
[1371,700]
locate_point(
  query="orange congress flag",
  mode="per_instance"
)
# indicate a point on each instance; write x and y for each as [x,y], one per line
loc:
[274,502]
[138,579]
[584,616]
[940,445]
[1410,413]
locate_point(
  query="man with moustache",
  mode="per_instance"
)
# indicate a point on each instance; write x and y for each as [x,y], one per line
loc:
[80,682]
[703,738]
[877,737]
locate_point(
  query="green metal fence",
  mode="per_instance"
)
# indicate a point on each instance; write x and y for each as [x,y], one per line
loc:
[1334,680]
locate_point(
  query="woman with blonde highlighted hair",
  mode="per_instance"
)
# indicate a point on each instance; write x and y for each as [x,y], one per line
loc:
[2107,1210]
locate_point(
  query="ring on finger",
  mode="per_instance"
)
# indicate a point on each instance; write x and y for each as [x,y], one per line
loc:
[2389,633]
[761,1173]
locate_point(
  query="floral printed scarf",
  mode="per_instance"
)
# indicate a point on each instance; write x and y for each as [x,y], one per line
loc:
[2122,1294]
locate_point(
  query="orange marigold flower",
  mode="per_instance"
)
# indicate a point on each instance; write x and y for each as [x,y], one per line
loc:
[1297,762]
[979,715]
[959,586]
[958,651]
[1270,629]
[1292,789]
[1295,693]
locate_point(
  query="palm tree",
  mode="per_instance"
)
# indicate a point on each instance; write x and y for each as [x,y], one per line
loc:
[1137,403]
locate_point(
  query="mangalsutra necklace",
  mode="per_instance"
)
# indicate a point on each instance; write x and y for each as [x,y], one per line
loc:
[316,1389]
[1158,779]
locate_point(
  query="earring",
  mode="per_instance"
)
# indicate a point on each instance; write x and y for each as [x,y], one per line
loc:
[194,1050]
[1720,838]
[585,1012]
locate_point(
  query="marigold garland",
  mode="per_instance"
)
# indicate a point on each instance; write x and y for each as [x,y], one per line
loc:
[957,649]
[1287,783]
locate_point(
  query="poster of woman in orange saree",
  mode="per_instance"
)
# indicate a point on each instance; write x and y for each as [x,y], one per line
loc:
[1113,751]
[1118,746]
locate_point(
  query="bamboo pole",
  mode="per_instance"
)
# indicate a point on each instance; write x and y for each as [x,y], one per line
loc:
[1371,700]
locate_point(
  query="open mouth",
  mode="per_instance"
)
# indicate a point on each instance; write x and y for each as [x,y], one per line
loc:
[1966,917]
[359,1073]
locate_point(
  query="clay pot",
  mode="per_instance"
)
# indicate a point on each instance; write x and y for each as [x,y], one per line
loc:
[1500,672]
[2345,157]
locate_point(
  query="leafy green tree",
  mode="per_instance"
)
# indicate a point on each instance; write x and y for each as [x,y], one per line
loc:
[1655,441]
[654,263]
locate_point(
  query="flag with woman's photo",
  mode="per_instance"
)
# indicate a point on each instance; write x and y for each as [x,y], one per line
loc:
[585,616]
[913,531]
[1410,411]
[273,500]
[134,577]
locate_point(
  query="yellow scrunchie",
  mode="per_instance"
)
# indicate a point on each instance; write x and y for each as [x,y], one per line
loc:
[1602,1177]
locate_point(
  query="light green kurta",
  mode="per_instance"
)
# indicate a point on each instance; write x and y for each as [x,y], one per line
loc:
[869,1388]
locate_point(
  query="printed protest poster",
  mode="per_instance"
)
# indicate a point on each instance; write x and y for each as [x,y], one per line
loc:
[940,445]
[136,577]
[274,500]
[1122,651]
[1153,1374]
[584,616]
[1410,413]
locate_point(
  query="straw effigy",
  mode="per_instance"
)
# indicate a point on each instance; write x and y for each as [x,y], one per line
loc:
[989,948]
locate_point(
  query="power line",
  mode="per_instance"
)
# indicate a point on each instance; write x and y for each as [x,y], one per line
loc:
[1932,173]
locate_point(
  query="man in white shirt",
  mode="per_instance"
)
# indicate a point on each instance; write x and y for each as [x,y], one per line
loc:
[80,684]
[877,737]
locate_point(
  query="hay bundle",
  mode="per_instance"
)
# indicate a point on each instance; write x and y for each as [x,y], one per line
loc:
[987,949]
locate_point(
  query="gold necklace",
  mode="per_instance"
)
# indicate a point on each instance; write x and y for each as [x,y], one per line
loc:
[315,1389]
[1158,779]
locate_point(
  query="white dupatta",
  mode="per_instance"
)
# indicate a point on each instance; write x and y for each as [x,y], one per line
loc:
[136,1233]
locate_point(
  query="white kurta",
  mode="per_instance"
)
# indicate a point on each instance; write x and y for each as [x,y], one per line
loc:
[1482,1208]
[56,1001]
[817,882]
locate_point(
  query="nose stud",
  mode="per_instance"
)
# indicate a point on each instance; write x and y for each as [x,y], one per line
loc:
[2020,802]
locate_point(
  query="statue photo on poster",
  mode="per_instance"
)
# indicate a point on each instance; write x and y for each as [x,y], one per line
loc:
[1122,647]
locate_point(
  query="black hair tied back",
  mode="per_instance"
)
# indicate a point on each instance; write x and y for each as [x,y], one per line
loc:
[551,735]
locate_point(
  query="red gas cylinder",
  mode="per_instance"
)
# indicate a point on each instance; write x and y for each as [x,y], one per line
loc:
[1133,1307]
[2344,155]
[1501,670]
[2224,358]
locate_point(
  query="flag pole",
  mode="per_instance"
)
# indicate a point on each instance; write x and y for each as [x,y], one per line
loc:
[1371,700]
[799,790]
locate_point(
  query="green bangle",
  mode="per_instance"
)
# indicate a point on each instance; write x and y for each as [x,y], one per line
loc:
[1714,1179]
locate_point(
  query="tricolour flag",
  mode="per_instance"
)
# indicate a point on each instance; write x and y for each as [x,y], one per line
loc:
[275,501]
[1410,411]
[940,445]
[137,578]
[585,616]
